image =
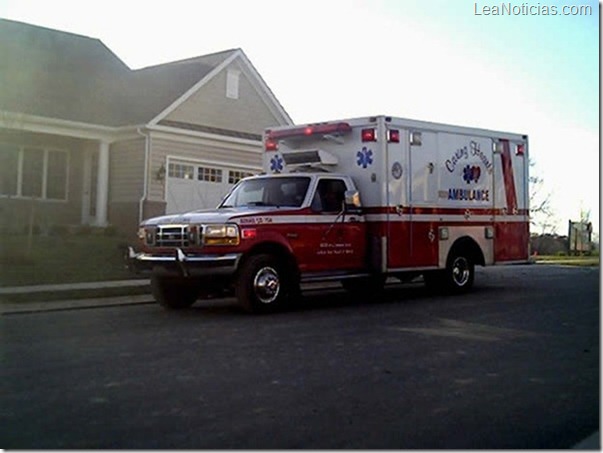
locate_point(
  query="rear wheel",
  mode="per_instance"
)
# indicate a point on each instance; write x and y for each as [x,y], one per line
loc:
[174,293]
[263,284]
[460,272]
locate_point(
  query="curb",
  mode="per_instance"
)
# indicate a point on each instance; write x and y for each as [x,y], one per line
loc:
[72,286]
[9,308]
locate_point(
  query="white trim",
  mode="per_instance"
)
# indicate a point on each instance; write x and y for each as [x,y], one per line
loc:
[20,161]
[264,91]
[74,129]
[102,184]
[192,90]
[217,163]
[163,131]
[86,186]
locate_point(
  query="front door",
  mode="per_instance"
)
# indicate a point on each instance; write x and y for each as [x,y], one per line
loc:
[338,239]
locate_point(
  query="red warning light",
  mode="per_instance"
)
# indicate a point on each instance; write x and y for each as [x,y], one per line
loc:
[393,136]
[368,135]
[520,149]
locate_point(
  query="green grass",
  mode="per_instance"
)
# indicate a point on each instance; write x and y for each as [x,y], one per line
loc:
[569,260]
[61,259]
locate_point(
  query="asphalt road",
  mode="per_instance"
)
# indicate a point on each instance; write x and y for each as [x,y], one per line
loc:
[514,364]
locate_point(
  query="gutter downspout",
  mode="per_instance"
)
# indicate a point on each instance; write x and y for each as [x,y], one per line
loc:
[147,151]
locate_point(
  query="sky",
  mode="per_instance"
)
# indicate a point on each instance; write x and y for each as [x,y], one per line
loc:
[434,60]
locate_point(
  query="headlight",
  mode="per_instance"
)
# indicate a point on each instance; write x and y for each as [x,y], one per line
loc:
[147,235]
[221,235]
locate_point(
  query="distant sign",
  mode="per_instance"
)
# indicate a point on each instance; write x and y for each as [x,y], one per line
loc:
[579,237]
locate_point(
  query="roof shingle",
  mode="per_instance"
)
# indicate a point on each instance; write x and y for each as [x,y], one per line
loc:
[55,74]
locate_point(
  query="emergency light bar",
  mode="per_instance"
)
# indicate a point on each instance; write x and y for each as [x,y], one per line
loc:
[334,129]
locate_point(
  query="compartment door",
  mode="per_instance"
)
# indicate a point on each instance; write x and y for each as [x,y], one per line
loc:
[423,190]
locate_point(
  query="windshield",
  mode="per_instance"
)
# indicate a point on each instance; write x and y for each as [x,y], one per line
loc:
[281,191]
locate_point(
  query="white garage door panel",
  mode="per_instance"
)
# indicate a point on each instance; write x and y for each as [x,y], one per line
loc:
[186,192]
[187,195]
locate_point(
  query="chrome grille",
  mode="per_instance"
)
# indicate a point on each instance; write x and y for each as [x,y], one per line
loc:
[172,236]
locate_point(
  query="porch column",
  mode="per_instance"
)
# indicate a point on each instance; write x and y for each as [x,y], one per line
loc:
[102,184]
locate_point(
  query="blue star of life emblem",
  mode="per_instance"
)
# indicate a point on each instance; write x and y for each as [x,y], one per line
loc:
[276,164]
[364,158]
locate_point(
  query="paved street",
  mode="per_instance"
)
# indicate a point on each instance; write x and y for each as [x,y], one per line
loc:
[514,364]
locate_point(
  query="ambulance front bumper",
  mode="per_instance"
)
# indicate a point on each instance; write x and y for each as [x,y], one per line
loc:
[179,263]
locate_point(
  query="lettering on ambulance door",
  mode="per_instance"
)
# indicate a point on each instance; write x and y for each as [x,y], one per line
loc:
[338,239]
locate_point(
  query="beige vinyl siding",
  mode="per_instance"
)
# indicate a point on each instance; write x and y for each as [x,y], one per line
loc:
[127,170]
[210,107]
[235,156]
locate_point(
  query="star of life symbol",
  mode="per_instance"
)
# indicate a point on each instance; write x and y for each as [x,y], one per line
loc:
[364,158]
[276,164]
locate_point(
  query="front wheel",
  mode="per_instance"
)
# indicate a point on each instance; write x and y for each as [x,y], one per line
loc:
[263,284]
[173,293]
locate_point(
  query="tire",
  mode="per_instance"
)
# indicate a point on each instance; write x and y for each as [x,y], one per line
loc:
[460,272]
[173,293]
[263,284]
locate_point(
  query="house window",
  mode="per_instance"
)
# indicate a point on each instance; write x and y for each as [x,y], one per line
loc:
[33,172]
[182,171]
[9,169]
[234,176]
[232,84]
[209,174]
[56,188]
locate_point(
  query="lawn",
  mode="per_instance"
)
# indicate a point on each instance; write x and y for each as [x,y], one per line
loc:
[62,259]
[568,260]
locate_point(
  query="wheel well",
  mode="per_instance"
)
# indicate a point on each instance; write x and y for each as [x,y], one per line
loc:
[470,247]
[274,249]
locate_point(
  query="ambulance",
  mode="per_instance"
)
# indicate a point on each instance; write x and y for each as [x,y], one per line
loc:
[355,201]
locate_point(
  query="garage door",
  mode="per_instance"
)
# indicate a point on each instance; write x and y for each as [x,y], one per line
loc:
[193,186]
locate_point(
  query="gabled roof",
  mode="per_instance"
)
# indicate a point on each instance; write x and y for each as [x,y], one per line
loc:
[54,74]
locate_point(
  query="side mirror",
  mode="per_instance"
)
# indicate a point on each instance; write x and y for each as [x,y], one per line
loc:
[352,201]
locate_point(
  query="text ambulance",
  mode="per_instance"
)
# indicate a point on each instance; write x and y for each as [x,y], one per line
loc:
[354,201]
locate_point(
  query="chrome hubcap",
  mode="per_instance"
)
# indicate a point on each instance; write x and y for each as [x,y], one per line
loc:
[266,285]
[460,271]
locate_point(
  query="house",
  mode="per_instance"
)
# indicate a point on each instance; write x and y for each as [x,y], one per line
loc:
[85,140]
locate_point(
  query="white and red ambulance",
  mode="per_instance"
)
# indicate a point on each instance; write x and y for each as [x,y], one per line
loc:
[355,201]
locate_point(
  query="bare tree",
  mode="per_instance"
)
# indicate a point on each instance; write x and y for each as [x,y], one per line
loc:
[541,213]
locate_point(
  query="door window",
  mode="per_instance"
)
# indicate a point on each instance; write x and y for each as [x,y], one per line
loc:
[329,196]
